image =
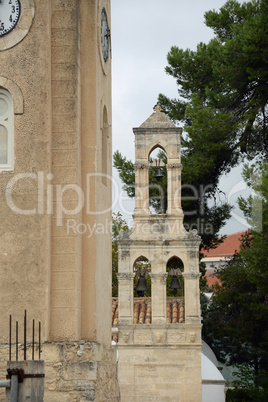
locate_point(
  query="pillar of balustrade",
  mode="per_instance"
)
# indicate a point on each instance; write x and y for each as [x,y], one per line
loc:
[174,189]
[141,189]
[125,297]
[159,298]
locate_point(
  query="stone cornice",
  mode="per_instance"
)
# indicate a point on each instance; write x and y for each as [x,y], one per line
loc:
[174,165]
[191,275]
[159,277]
[138,166]
[125,276]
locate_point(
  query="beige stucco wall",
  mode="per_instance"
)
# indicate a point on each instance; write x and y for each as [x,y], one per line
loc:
[48,266]
[55,241]
[25,246]
[159,363]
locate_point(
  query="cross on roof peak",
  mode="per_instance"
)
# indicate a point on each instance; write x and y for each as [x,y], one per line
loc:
[157,108]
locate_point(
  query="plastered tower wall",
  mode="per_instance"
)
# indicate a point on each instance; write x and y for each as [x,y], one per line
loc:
[53,260]
[159,361]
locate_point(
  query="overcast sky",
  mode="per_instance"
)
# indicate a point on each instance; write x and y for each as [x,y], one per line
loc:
[142,33]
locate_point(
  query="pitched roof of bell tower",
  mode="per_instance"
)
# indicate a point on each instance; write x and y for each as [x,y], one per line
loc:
[158,119]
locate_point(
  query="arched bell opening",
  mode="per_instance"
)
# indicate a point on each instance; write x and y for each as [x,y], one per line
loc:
[142,291]
[175,283]
[158,180]
[142,280]
[175,291]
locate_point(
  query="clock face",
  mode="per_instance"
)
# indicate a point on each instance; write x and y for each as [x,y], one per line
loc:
[105,35]
[9,15]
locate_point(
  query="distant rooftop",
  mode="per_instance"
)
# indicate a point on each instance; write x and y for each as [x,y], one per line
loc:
[228,247]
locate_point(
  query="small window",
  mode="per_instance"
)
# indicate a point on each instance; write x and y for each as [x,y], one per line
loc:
[6,131]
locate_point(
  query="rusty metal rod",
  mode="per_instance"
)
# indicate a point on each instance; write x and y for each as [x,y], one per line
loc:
[17,336]
[10,322]
[33,342]
[39,340]
[25,335]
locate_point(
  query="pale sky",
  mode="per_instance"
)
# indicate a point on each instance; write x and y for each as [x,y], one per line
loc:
[142,34]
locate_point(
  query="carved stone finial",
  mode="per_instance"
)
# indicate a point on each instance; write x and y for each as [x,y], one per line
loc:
[157,108]
[193,234]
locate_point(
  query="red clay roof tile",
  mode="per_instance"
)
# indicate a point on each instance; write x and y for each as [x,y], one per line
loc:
[142,311]
[227,248]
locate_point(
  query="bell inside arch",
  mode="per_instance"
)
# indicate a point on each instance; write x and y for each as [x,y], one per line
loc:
[175,284]
[158,174]
[141,286]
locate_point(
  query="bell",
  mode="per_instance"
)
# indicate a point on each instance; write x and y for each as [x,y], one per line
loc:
[175,284]
[141,286]
[158,174]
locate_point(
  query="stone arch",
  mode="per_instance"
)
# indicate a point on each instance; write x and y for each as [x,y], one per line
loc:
[139,259]
[6,130]
[175,269]
[141,268]
[15,92]
[158,145]
[175,257]
[157,181]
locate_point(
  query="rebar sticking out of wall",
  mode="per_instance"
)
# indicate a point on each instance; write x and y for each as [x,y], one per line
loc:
[33,343]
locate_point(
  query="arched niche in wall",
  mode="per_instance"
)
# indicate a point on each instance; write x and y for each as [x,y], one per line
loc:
[6,131]
[175,282]
[142,301]
[142,268]
[157,180]
[104,146]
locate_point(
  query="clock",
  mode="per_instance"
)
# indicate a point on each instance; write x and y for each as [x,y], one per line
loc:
[9,15]
[105,35]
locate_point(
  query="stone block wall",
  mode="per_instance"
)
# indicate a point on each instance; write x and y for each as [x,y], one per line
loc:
[74,371]
[160,363]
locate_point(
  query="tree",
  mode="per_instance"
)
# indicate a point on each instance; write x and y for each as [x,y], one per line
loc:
[196,197]
[235,325]
[118,223]
[222,88]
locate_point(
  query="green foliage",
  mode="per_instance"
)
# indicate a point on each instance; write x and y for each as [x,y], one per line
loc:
[247,386]
[118,223]
[235,324]
[222,86]
[199,211]
[126,173]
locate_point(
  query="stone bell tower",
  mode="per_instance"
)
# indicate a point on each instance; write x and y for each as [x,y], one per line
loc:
[160,351]
[55,188]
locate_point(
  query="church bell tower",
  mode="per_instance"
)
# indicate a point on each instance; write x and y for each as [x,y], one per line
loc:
[159,339]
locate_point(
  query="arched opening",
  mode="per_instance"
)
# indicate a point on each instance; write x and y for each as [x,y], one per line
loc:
[175,283]
[175,291]
[3,145]
[6,131]
[142,291]
[141,268]
[158,180]
[104,146]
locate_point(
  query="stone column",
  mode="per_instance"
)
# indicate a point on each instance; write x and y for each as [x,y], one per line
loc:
[174,188]
[159,298]
[141,189]
[191,296]
[125,297]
